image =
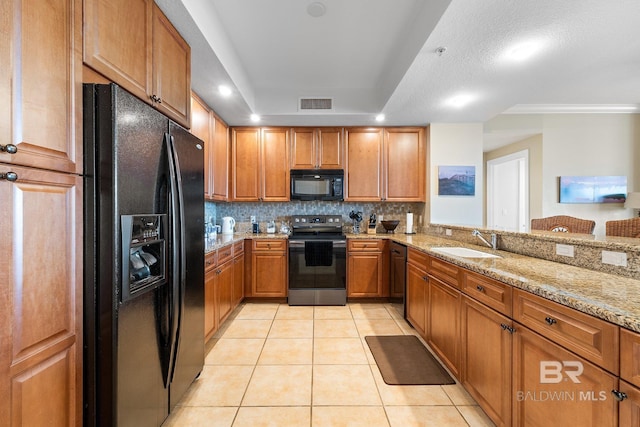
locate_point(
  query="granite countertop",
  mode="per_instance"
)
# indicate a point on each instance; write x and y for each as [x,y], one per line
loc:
[606,296]
[223,240]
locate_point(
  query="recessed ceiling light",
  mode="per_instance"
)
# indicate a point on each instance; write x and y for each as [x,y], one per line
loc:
[255,118]
[380,118]
[224,90]
[316,9]
[460,101]
[523,51]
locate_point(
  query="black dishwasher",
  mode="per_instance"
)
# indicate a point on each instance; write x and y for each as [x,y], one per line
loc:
[397,276]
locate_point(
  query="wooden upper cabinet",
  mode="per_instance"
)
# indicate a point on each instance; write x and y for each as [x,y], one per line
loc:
[118,42]
[245,161]
[219,160]
[133,44]
[201,127]
[386,164]
[260,164]
[41,87]
[171,70]
[275,183]
[405,159]
[316,148]
[363,164]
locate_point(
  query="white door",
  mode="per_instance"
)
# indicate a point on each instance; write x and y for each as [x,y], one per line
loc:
[508,192]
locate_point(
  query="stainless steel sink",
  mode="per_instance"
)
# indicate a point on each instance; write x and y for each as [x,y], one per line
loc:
[464,252]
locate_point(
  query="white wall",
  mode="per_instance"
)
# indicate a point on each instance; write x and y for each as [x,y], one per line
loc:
[589,144]
[455,144]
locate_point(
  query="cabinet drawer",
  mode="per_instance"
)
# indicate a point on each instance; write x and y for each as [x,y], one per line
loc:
[225,253]
[269,245]
[359,245]
[418,258]
[490,292]
[594,339]
[448,273]
[630,356]
[210,260]
[238,248]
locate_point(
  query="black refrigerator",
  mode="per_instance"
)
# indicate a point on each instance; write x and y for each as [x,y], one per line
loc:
[144,260]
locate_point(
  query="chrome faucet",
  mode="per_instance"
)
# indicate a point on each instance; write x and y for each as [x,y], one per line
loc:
[494,239]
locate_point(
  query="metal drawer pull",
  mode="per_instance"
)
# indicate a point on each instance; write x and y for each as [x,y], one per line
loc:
[619,395]
[550,320]
[480,288]
[9,148]
[9,176]
[507,328]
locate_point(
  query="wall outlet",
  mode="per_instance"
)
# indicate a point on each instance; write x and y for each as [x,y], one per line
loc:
[564,250]
[253,219]
[614,258]
[448,232]
[380,218]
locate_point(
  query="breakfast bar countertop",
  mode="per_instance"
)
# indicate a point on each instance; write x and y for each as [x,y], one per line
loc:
[606,296]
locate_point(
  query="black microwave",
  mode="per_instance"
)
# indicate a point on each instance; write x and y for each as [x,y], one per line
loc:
[317,184]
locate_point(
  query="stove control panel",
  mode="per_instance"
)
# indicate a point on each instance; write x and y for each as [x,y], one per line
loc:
[335,220]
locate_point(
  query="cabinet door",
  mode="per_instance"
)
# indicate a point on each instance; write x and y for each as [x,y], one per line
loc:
[210,315]
[363,164]
[171,86]
[41,86]
[364,275]
[238,279]
[405,160]
[443,323]
[117,42]
[552,386]
[220,160]
[630,407]
[201,127]
[224,289]
[275,165]
[630,356]
[329,148]
[303,149]
[417,293]
[269,270]
[486,359]
[245,161]
[41,298]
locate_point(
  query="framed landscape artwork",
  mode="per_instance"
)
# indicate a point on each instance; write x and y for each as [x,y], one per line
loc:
[456,180]
[593,189]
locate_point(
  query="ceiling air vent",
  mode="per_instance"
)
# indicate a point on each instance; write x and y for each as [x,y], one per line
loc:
[315,104]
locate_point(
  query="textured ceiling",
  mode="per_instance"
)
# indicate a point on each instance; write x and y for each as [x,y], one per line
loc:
[379,56]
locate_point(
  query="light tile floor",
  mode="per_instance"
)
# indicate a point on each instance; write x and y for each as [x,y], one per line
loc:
[275,365]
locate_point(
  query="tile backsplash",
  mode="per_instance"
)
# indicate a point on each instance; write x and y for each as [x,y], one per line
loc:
[281,211]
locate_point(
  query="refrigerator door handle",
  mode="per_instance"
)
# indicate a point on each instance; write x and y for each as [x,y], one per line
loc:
[178,283]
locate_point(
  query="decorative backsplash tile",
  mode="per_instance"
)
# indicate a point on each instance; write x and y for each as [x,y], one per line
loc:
[282,211]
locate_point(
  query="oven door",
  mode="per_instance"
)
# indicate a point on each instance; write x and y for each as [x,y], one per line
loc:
[317,264]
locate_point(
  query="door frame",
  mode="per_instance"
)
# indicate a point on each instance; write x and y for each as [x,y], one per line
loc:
[523,180]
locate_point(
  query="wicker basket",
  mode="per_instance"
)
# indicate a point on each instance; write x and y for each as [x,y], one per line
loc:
[564,223]
[623,227]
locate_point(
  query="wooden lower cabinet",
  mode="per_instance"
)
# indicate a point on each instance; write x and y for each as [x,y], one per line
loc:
[367,268]
[486,359]
[224,290]
[629,409]
[554,387]
[238,279]
[417,293]
[269,268]
[210,315]
[443,323]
